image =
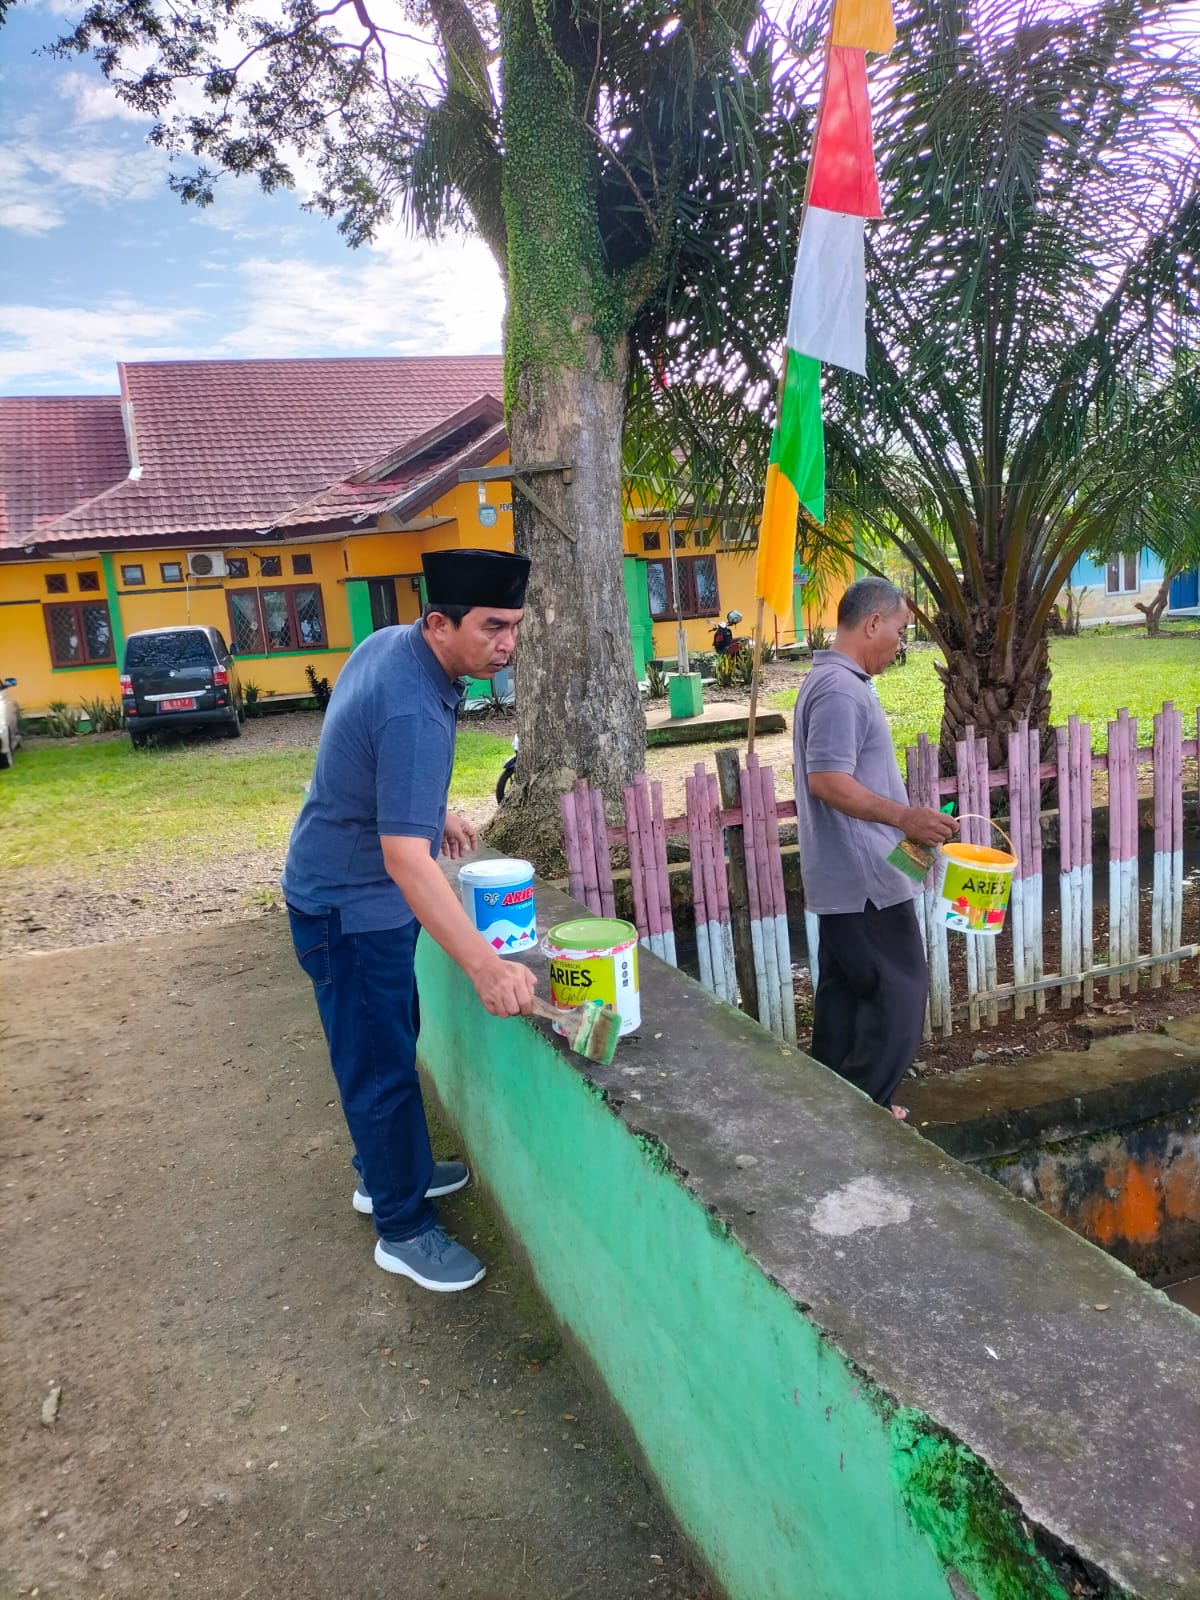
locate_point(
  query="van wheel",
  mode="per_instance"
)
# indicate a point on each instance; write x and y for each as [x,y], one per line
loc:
[137,738]
[233,730]
[6,760]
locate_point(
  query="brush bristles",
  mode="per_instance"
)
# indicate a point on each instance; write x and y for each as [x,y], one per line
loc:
[597,1034]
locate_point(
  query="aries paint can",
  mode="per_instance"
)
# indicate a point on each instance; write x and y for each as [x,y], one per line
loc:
[975,888]
[595,958]
[497,895]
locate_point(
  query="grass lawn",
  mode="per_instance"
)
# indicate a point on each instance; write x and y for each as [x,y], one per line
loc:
[1093,677]
[95,805]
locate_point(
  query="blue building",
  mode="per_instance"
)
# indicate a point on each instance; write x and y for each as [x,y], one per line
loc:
[1110,591]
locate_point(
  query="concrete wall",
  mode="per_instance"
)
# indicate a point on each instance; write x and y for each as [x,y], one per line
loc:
[1105,1140]
[855,1368]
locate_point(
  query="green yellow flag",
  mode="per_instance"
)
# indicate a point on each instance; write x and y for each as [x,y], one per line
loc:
[795,477]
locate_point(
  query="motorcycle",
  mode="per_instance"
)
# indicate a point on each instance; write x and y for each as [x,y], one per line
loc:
[725,642]
[506,772]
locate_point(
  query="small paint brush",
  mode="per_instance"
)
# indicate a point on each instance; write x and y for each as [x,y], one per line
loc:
[591,1030]
[915,859]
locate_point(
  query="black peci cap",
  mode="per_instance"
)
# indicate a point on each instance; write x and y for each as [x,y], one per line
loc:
[476,578]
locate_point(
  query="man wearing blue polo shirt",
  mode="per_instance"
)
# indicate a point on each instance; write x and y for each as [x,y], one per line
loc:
[361,880]
[851,808]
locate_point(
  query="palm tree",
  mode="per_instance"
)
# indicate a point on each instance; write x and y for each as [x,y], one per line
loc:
[1032,318]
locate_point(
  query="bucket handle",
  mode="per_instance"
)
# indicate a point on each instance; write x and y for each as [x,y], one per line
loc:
[977,816]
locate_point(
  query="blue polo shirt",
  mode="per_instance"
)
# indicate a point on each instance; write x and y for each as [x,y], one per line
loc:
[383,767]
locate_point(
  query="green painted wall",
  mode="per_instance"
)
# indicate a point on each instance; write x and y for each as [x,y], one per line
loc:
[113,597]
[795,1477]
[358,604]
[641,625]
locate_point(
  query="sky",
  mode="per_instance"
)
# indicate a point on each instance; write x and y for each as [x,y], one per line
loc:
[100,262]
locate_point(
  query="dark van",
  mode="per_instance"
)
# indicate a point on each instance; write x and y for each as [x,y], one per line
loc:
[179,678]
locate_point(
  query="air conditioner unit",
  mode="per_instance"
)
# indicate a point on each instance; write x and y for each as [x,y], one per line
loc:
[206,564]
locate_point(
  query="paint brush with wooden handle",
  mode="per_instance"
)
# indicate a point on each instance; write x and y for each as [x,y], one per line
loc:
[591,1030]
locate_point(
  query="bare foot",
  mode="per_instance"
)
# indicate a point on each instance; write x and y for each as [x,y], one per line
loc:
[900,1113]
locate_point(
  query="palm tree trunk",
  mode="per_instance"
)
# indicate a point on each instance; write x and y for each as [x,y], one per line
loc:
[991,695]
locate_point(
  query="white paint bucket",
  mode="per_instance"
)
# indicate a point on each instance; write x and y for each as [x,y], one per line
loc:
[498,897]
[595,958]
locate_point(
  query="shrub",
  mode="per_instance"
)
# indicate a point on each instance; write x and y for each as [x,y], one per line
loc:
[251,695]
[656,680]
[818,637]
[62,721]
[725,671]
[105,716]
[743,668]
[319,686]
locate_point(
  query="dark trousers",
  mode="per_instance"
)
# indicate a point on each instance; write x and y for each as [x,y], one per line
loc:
[367,998]
[869,1009]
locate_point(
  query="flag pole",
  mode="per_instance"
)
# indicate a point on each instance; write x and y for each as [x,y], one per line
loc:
[758,629]
[779,393]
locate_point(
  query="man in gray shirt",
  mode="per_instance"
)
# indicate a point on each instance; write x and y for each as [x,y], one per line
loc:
[851,808]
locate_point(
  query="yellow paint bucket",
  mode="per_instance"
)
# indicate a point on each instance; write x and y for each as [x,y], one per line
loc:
[595,958]
[975,887]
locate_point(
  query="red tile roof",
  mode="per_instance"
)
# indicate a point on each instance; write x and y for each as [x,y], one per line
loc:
[409,484]
[55,450]
[234,446]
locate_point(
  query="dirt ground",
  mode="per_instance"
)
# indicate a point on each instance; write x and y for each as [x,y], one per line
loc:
[208,1388]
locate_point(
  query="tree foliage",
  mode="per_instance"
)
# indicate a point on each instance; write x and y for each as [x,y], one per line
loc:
[1032,306]
[632,166]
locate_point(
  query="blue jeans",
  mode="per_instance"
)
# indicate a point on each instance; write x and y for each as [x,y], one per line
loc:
[367,999]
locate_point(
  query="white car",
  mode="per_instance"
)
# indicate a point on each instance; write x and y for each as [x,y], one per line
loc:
[10,722]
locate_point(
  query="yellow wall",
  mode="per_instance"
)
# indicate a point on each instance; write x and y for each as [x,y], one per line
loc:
[735,591]
[384,551]
[24,645]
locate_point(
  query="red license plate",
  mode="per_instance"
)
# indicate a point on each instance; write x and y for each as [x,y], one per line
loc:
[187,703]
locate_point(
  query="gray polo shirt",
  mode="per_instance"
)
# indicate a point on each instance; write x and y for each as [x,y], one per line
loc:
[841,727]
[383,767]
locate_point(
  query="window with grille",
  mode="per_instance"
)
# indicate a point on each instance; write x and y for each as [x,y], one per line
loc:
[80,634]
[652,540]
[1123,576]
[89,582]
[270,567]
[697,587]
[301,565]
[237,566]
[263,621]
[56,583]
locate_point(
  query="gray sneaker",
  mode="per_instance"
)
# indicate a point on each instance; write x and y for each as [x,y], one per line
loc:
[448,1178]
[433,1259]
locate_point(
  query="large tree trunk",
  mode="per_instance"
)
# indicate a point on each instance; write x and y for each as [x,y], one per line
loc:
[578,709]
[989,694]
[566,358]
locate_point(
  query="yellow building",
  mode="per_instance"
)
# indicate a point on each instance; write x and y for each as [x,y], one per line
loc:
[286,503]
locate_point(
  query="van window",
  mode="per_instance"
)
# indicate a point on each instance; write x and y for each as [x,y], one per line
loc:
[187,648]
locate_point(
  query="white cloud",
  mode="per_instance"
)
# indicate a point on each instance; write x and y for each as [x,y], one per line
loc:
[92,100]
[401,296]
[40,181]
[66,349]
[28,215]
